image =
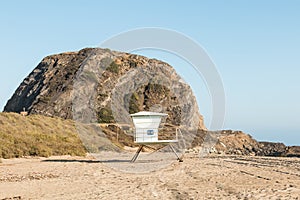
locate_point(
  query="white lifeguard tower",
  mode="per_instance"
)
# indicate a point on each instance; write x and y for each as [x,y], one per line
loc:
[146,131]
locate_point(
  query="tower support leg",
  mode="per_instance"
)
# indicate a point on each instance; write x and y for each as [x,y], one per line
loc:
[178,158]
[137,153]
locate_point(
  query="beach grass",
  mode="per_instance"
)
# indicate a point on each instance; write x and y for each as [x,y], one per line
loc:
[37,135]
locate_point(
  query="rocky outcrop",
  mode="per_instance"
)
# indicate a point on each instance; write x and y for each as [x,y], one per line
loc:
[272,149]
[236,142]
[239,143]
[99,85]
[292,151]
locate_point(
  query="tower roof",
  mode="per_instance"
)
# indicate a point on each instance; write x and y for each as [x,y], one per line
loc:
[146,113]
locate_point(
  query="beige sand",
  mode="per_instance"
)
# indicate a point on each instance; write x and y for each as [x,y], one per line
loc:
[219,177]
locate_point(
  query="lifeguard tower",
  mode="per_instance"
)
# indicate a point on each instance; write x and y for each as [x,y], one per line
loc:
[146,131]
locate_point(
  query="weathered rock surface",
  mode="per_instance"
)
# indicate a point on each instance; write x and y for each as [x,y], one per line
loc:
[88,83]
[47,89]
[239,143]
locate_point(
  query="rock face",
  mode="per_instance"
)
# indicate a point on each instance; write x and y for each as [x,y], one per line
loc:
[88,83]
[239,143]
[236,142]
[47,89]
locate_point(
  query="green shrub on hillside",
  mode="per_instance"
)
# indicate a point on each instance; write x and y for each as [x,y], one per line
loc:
[133,103]
[105,115]
[113,67]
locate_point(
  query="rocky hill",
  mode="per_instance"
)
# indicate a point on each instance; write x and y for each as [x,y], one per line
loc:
[99,85]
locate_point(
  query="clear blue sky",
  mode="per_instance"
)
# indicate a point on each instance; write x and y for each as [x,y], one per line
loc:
[254,44]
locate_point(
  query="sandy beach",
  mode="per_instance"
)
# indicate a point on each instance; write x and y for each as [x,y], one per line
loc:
[213,177]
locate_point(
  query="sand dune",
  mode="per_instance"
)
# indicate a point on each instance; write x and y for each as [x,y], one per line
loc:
[213,177]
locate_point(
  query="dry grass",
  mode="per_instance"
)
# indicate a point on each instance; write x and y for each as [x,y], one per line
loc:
[37,135]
